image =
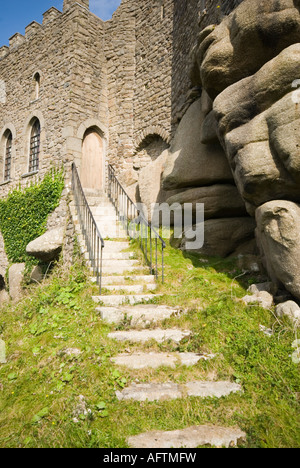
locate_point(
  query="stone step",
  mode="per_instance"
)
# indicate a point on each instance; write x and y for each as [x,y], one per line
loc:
[115,255]
[104,221]
[107,255]
[95,203]
[110,228]
[142,336]
[116,246]
[154,360]
[148,279]
[106,231]
[172,391]
[120,263]
[107,219]
[93,192]
[142,315]
[130,288]
[111,247]
[113,258]
[191,437]
[93,198]
[112,234]
[117,300]
[121,270]
[103,211]
[108,223]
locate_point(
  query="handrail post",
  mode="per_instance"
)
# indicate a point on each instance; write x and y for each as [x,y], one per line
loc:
[89,228]
[124,205]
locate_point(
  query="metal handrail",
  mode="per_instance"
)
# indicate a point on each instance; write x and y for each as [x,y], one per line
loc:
[128,213]
[93,239]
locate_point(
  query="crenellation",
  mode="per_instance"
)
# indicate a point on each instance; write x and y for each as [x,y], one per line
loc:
[50,15]
[32,28]
[16,40]
[69,3]
[4,50]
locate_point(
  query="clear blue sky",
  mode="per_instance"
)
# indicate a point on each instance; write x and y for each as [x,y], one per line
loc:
[15,15]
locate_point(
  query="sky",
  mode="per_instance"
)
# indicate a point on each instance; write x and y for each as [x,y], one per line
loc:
[17,14]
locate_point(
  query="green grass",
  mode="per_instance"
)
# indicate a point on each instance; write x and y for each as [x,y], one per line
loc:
[40,385]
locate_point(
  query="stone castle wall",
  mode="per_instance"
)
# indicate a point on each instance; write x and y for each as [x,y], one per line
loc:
[138,49]
[19,104]
[154,58]
[129,77]
[65,52]
[120,79]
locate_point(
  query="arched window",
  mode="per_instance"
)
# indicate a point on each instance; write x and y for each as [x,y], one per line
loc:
[8,154]
[37,83]
[35,141]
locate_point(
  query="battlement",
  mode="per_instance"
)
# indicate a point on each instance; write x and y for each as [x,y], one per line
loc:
[3,51]
[16,40]
[69,3]
[50,15]
[34,27]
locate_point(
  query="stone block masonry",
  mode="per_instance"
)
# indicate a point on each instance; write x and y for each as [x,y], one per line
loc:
[128,77]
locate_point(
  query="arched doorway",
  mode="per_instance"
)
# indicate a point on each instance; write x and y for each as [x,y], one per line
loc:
[92,160]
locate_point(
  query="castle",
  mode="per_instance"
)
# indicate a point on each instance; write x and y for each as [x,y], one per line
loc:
[75,86]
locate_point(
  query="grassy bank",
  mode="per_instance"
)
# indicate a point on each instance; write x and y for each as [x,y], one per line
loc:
[58,386]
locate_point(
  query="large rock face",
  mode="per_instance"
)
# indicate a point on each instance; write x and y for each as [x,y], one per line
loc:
[245,131]
[195,170]
[259,126]
[221,236]
[278,235]
[255,33]
[190,163]
[150,189]
[249,65]
[219,200]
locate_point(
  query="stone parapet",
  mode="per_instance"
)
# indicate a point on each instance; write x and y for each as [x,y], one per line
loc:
[16,40]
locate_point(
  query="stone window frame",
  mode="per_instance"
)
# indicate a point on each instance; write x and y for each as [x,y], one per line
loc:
[35,146]
[9,129]
[8,156]
[37,85]
[37,115]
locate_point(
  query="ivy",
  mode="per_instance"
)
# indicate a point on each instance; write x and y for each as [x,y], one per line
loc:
[24,213]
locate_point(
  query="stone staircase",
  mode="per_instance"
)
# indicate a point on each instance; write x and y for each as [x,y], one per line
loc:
[127,294]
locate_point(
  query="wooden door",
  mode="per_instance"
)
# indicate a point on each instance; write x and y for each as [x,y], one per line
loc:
[92,161]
